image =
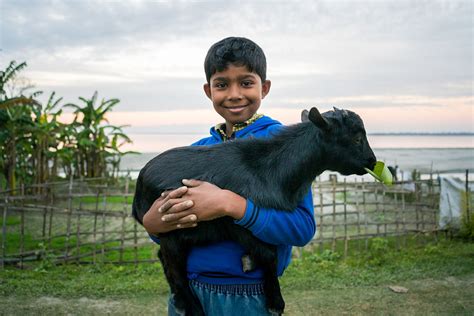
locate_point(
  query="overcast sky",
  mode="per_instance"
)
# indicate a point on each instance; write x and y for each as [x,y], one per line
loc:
[403,65]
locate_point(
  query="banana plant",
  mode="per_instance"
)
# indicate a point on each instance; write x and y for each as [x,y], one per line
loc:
[93,141]
[34,144]
[16,124]
[119,139]
[45,140]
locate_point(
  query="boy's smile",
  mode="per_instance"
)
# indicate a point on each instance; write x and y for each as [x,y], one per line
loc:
[236,94]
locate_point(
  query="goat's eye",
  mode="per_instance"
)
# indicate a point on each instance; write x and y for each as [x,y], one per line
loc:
[358,140]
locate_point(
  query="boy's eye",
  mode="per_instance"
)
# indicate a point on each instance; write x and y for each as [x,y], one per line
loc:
[246,83]
[220,85]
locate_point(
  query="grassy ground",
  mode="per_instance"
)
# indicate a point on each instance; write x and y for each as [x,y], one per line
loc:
[439,278]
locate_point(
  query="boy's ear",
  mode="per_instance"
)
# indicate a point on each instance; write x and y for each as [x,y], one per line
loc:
[266,88]
[207,90]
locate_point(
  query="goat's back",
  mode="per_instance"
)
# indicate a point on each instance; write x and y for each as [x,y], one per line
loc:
[219,164]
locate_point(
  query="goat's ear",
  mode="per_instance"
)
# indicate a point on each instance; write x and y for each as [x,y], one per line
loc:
[305,116]
[318,120]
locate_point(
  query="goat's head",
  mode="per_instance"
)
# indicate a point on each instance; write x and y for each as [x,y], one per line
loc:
[344,140]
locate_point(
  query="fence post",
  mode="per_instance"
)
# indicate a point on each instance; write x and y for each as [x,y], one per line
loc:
[94,236]
[104,231]
[50,227]
[78,236]
[122,236]
[4,231]
[468,197]
[22,225]
[377,209]
[69,213]
[334,180]
[345,218]
[321,218]
[404,240]
[135,242]
[366,220]
[358,213]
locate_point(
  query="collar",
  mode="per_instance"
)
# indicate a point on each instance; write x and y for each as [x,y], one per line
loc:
[220,128]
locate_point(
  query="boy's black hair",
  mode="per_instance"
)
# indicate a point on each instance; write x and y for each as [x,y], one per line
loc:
[238,51]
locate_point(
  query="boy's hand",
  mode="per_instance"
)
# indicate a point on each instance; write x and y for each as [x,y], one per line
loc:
[169,212]
[211,202]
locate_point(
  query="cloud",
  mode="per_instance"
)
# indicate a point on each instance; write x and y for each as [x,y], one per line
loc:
[149,54]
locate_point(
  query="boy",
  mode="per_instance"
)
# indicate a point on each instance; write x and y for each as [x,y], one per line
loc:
[236,84]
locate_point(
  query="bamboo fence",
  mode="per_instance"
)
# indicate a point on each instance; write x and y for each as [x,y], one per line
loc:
[355,212]
[89,222]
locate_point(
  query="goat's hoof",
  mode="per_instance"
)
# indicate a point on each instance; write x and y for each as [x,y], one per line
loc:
[196,312]
[194,309]
[276,306]
[275,312]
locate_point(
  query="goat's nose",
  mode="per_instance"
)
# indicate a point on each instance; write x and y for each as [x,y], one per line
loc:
[371,162]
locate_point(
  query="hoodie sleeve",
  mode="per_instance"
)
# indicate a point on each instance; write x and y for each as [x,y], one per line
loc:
[292,228]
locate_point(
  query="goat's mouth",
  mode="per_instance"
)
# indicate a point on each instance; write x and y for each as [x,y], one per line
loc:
[365,168]
[362,170]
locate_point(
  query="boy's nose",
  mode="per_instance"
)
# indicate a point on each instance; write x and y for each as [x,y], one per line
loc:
[234,93]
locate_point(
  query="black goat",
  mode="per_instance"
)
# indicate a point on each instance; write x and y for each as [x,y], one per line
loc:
[274,172]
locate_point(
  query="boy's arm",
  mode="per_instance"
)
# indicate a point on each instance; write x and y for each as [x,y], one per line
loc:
[296,227]
[278,227]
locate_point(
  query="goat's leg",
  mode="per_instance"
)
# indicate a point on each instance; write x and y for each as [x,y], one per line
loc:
[175,270]
[265,256]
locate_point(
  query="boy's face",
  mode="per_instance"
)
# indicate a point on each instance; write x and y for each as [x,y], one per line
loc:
[236,93]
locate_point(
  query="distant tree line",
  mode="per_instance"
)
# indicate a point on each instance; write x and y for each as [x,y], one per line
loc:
[36,147]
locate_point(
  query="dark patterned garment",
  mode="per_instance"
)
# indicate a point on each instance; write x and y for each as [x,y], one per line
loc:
[220,128]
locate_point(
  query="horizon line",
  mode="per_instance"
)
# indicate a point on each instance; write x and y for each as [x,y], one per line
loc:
[370,134]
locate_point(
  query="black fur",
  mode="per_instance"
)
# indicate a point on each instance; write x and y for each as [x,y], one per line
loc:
[274,172]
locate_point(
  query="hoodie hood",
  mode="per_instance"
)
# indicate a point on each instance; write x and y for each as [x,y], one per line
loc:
[262,127]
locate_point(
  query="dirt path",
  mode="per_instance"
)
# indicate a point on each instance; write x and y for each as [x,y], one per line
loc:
[449,296]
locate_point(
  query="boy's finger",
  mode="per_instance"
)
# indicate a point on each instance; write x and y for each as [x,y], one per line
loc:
[177,193]
[166,196]
[175,206]
[191,182]
[187,225]
[179,218]
[189,219]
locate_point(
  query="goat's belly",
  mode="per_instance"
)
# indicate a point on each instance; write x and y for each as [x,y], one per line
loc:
[206,232]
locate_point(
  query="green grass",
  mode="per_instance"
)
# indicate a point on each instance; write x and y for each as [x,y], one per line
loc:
[11,220]
[380,265]
[439,276]
[110,199]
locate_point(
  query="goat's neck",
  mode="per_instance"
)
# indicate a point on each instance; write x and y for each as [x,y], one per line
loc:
[297,156]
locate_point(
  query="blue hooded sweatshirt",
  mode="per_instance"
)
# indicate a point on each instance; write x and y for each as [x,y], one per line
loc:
[220,263]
